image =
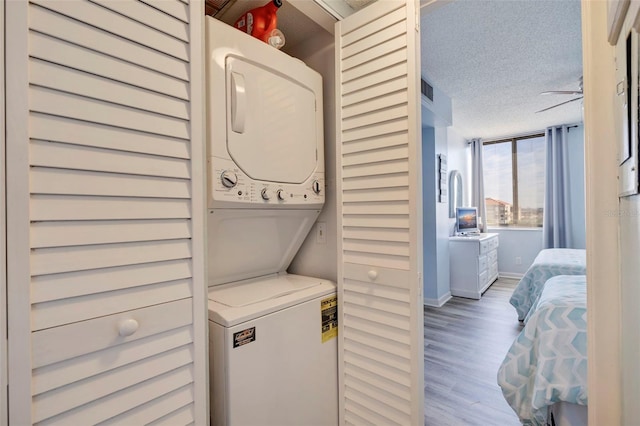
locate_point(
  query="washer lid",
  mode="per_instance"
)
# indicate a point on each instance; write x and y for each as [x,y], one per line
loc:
[259,289]
[234,303]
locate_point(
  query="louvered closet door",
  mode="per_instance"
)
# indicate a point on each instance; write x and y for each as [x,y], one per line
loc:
[107,298]
[380,289]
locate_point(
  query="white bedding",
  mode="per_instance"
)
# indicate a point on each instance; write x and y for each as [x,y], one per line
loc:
[548,263]
[547,362]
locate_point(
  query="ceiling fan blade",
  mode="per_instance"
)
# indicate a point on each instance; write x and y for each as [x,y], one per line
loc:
[562,92]
[557,105]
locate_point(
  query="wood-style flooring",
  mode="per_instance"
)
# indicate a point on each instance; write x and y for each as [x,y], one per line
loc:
[465,343]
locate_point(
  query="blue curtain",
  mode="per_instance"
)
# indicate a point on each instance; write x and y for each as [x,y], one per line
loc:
[556,223]
[477,182]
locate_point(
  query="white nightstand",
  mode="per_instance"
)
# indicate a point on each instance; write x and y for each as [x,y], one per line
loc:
[473,264]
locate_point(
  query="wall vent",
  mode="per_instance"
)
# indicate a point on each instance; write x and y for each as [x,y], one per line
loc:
[426,89]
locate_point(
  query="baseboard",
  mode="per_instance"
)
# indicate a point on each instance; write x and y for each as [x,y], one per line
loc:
[437,303]
[512,275]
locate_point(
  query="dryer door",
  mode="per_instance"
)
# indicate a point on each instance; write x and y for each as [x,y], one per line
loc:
[271,123]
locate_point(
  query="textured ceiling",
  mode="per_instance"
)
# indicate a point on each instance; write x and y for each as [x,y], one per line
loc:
[494,57]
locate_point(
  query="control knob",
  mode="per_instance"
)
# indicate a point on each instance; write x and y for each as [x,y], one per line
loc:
[281,195]
[265,194]
[229,179]
[316,187]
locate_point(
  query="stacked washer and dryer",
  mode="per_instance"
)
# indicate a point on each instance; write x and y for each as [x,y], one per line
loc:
[273,351]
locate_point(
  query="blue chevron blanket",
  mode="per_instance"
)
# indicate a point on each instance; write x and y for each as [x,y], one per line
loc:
[548,263]
[547,363]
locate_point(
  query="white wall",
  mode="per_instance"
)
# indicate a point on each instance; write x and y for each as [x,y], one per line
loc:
[524,244]
[315,259]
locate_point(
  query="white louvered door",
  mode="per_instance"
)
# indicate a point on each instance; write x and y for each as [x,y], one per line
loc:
[380,216]
[106,288]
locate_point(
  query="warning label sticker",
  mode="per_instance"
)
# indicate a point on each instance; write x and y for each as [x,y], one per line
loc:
[329,310]
[243,337]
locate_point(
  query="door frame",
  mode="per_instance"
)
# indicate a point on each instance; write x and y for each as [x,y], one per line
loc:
[603,257]
[3,246]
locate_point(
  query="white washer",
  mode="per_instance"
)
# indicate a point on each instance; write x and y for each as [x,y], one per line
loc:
[273,354]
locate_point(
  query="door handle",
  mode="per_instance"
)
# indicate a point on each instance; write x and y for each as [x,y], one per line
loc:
[238,102]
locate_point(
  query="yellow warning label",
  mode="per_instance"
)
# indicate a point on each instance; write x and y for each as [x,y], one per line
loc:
[329,310]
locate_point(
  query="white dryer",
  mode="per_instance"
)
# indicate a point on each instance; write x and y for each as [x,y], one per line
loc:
[272,335]
[265,154]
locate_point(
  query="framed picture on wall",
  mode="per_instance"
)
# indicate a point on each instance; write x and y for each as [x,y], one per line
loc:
[442,178]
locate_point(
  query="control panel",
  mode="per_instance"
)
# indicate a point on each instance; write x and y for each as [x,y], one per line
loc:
[229,185]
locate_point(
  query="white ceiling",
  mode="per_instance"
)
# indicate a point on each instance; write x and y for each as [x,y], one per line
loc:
[494,57]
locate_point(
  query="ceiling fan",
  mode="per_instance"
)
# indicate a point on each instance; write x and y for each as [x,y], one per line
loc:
[564,92]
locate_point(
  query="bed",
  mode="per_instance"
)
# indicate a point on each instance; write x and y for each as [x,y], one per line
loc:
[547,363]
[548,263]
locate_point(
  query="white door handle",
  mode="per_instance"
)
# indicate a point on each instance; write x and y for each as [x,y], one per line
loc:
[373,274]
[127,327]
[238,102]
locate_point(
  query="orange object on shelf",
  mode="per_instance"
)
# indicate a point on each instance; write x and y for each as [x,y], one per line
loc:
[261,21]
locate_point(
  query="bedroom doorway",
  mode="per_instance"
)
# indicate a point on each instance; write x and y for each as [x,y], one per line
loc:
[491,60]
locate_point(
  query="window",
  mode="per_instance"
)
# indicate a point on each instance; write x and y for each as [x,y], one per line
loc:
[514,172]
